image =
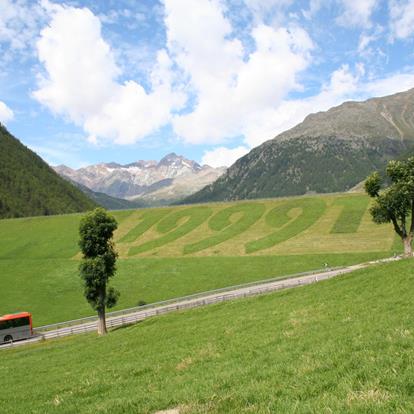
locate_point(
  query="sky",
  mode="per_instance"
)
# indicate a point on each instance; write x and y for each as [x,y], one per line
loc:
[84,82]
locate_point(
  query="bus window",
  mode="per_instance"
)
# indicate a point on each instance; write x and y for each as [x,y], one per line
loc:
[17,323]
[15,327]
[5,325]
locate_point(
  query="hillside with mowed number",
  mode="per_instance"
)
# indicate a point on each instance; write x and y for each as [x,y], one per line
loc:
[176,251]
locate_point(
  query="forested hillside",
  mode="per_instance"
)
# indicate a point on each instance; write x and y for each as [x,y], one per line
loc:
[329,151]
[29,187]
[107,201]
[300,166]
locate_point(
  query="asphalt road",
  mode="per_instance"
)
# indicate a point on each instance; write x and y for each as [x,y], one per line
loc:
[43,333]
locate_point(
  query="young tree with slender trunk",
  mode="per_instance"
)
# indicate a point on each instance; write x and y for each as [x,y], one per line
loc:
[395,203]
[98,262]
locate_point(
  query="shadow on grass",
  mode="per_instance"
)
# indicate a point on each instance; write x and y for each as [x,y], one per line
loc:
[127,325]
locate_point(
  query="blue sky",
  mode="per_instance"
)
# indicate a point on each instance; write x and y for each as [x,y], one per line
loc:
[84,82]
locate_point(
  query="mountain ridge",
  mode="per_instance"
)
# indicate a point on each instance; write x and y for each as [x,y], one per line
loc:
[329,151]
[105,200]
[149,181]
[29,187]
[376,115]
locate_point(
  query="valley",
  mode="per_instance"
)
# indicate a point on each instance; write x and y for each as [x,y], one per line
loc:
[206,207]
[176,251]
[330,151]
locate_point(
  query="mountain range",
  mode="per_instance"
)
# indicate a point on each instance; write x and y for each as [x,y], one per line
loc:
[107,201]
[148,182]
[328,152]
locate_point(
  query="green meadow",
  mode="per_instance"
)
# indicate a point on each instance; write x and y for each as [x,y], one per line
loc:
[176,251]
[345,345]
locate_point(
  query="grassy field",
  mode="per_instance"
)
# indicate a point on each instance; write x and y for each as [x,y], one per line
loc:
[343,345]
[176,251]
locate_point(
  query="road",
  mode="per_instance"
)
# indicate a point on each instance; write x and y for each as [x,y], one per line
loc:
[43,333]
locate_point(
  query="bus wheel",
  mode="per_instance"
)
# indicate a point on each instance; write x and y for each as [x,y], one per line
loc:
[8,338]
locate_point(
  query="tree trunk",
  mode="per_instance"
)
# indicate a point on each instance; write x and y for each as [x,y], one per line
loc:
[408,250]
[102,321]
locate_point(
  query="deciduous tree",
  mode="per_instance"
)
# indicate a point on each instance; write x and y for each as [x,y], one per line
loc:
[395,202]
[98,262]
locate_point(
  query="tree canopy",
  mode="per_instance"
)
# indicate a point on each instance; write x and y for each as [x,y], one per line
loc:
[394,203]
[29,187]
[99,261]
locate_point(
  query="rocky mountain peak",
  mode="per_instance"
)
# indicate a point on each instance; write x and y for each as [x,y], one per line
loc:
[63,169]
[112,165]
[143,177]
[178,161]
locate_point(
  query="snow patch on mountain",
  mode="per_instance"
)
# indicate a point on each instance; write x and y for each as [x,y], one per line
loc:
[174,174]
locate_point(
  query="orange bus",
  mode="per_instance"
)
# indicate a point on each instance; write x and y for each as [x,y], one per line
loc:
[15,327]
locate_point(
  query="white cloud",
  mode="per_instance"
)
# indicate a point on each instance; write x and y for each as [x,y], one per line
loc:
[19,23]
[234,93]
[353,13]
[264,6]
[356,12]
[222,156]
[199,39]
[265,10]
[314,6]
[401,18]
[234,89]
[231,89]
[57,156]
[364,41]
[81,81]
[6,114]
[342,85]
[395,83]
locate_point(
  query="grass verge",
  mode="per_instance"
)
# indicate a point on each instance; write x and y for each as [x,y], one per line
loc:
[52,291]
[344,345]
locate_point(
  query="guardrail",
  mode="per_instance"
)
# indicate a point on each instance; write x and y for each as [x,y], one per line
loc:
[93,319]
[193,302]
[136,314]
